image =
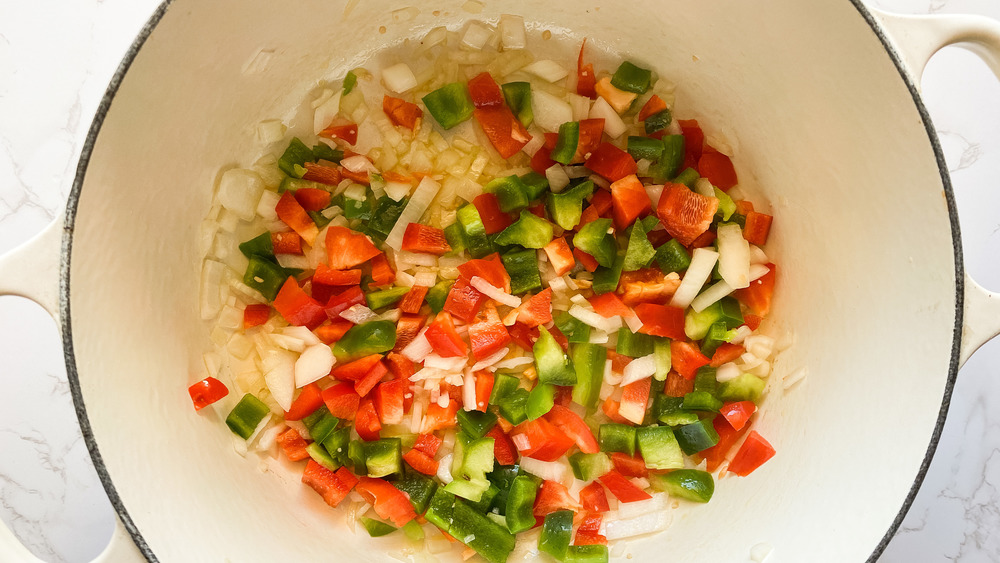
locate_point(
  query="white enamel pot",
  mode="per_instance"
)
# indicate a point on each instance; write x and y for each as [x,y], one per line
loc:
[821,103]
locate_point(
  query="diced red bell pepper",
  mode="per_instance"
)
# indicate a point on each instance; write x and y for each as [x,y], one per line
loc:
[382,272]
[464,300]
[292,444]
[287,243]
[629,201]
[611,162]
[343,301]
[503,448]
[428,443]
[389,400]
[542,160]
[333,331]
[366,421]
[328,175]
[751,455]
[560,338]
[686,358]
[602,201]
[389,502]
[523,335]
[347,249]
[752,321]
[758,226]
[494,220]
[425,239]
[297,307]
[312,199]
[560,255]
[661,320]
[490,269]
[618,361]
[716,455]
[407,328]
[738,413]
[361,177]
[589,262]
[744,207]
[356,370]
[629,466]
[552,496]
[333,487]
[342,400]
[540,439]
[374,376]
[704,240]
[487,333]
[537,310]
[485,92]
[623,489]
[414,299]
[635,396]
[725,353]
[594,499]
[503,129]
[399,365]
[538,210]
[343,130]
[685,214]
[444,339]
[325,275]
[421,462]
[255,315]
[608,305]
[758,296]
[694,140]
[574,427]
[653,106]
[647,285]
[293,215]
[206,392]
[402,113]
[585,76]
[717,168]
[440,418]
[591,133]
[310,399]
[589,532]
[677,385]
[484,388]
[563,396]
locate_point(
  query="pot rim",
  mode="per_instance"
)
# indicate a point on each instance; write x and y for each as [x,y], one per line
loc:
[81,172]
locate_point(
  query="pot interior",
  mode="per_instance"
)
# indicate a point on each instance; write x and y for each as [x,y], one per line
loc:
[824,129]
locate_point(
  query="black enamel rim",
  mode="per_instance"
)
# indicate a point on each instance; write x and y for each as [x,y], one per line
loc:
[81,172]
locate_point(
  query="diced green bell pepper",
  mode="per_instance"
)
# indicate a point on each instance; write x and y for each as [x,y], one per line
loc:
[350,81]
[490,540]
[377,528]
[510,191]
[476,423]
[658,121]
[645,147]
[587,467]
[606,279]
[659,447]
[259,246]
[520,500]
[535,185]
[296,155]
[705,380]
[323,151]
[362,340]
[383,457]
[746,387]
[615,437]
[502,477]
[730,312]
[456,239]
[726,205]
[477,460]
[356,455]
[385,297]
[318,218]
[717,334]
[689,484]
[696,437]
[588,361]
[336,444]
[438,294]
[289,183]
[661,351]
[522,267]
[575,330]
[634,344]
[566,208]
[450,104]
[419,487]
[503,384]
[586,554]
[701,401]
[321,424]
[319,454]
[514,406]
[414,531]
[698,323]
[631,78]
[529,231]
[669,411]
[557,531]
[640,252]
[568,140]
[246,415]
[477,243]
[518,98]
[594,239]
[385,215]
[541,399]
[673,257]
[358,208]
[687,177]
[552,364]
[265,276]
[486,500]
[441,509]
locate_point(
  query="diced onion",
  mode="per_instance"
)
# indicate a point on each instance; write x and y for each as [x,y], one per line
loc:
[657,503]
[536,142]
[314,364]
[287,342]
[759,345]
[399,78]
[514,362]
[419,348]
[757,271]
[616,528]
[734,256]
[727,372]
[469,391]
[790,379]
[358,314]
[633,322]
[550,111]
[521,442]
[444,469]
[358,163]
[638,369]
[598,337]
[495,293]
[270,131]
[702,262]
[279,375]
[397,190]
[741,333]
[476,35]
[654,191]
[444,364]
[426,279]
[240,191]
[613,124]
[416,258]
[547,70]
[574,172]
[415,208]
[326,111]
[307,336]
[558,471]
[757,255]
[293,261]
[557,177]
[595,320]
[488,361]
[704,187]
[708,297]
[512,33]
[211,277]
[580,105]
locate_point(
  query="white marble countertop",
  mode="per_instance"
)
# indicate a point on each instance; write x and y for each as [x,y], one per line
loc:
[56,58]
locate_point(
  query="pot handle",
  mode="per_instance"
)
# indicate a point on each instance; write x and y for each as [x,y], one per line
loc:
[32,270]
[917,39]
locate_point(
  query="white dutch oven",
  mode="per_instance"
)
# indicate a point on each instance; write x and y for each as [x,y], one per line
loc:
[823,110]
